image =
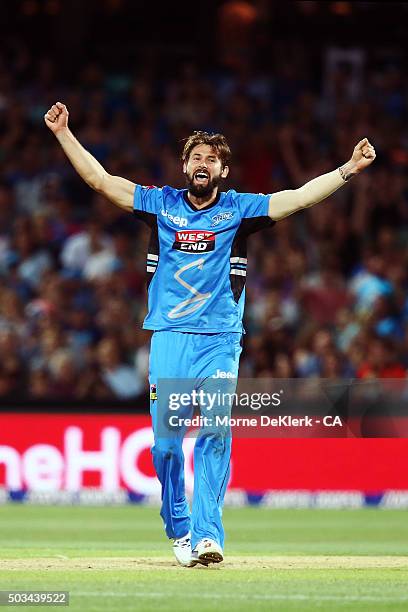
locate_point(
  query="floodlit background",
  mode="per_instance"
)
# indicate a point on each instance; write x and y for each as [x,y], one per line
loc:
[293,86]
[311,523]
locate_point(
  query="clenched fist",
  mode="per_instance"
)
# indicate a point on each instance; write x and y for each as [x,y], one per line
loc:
[363,154]
[56,118]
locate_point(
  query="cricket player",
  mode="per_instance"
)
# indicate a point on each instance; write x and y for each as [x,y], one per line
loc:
[196,267]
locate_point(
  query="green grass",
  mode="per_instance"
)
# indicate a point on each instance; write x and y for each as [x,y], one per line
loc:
[117,558]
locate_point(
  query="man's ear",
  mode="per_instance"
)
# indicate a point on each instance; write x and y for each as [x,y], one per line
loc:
[184,167]
[225,172]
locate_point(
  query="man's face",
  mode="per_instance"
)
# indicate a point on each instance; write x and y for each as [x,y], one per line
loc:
[203,171]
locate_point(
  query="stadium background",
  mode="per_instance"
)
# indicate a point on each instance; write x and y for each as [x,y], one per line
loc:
[327,291]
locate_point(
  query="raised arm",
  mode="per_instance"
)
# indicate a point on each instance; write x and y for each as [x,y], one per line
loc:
[284,203]
[118,190]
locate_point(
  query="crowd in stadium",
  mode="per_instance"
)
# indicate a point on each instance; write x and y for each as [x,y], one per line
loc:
[327,289]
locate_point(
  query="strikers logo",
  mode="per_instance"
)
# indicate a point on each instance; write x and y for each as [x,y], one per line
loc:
[153,392]
[225,216]
[194,241]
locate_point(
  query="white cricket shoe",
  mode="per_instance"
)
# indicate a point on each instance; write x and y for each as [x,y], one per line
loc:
[207,551]
[182,550]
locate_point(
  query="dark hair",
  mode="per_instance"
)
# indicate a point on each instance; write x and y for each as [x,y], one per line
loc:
[216,141]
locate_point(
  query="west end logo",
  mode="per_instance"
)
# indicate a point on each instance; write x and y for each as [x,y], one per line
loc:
[193,241]
[226,216]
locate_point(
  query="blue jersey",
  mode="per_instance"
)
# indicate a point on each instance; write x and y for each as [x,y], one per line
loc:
[197,259]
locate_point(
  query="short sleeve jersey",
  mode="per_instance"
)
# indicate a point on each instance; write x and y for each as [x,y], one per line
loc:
[197,259]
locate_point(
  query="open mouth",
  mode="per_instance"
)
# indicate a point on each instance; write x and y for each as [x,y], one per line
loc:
[201,176]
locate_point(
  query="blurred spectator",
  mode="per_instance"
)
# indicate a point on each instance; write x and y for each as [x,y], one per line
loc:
[63,371]
[123,380]
[327,289]
[81,247]
[370,282]
[381,361]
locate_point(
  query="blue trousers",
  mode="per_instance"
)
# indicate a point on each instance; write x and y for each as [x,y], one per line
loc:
[181,361]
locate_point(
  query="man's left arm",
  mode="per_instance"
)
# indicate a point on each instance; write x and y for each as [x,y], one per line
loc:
[284,203]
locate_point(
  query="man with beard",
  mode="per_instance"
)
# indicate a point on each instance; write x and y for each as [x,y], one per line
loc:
[196,267]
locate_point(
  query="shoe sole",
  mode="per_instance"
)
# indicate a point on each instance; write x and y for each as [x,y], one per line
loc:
[194,563]
[211,557]
[197,561]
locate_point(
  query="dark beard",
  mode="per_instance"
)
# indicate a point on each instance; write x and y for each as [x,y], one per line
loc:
[202,191]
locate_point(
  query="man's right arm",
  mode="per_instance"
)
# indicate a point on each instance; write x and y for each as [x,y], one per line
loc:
[118,190]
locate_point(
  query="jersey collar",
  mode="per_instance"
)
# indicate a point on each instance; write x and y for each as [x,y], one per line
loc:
[191,205]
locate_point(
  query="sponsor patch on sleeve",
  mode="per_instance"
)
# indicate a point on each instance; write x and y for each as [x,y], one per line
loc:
[153,392]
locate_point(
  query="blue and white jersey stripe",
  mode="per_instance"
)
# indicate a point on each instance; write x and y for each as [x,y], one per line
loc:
[238,266]
[152,262]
